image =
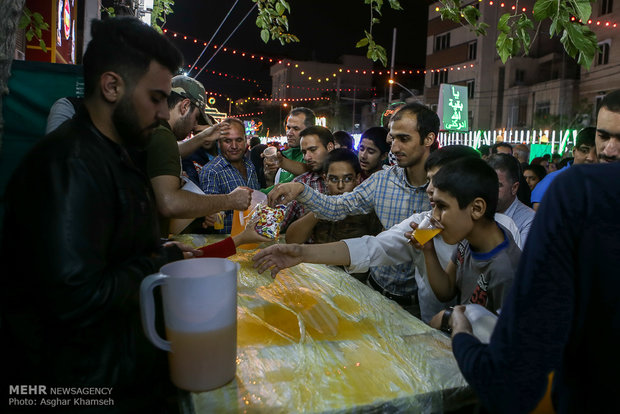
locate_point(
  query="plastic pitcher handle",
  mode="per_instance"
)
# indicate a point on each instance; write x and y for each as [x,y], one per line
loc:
[147,308]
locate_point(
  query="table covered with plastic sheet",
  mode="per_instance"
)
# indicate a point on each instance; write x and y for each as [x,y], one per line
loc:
[316,340]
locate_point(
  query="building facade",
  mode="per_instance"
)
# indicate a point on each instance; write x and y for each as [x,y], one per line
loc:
[546,89]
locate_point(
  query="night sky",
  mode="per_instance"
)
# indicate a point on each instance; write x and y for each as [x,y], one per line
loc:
[327,29]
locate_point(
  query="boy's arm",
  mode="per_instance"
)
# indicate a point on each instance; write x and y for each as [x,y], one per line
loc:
[442,282]
[301,229]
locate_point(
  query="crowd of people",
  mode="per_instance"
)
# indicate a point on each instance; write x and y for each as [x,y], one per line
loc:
[111,178]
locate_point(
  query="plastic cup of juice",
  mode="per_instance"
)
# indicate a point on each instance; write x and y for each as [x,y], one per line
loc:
[427,229]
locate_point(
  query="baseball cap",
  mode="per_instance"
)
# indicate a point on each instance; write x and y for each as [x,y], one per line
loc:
[193,90]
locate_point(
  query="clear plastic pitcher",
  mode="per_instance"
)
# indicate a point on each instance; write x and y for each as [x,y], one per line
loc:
[200,314]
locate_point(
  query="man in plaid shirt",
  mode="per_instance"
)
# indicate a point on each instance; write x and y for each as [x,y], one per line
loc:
[316,142]
[394,194]
[230,169]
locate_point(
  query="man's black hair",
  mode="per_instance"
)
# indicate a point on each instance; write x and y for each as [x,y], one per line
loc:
[587,136]
[254,141]
[344,139]
[611,101]
[506,163]
[342,154]
[310,119]
[448,154]
[498,145]
[323,133]
[378,135]
[468,178]
[126,46]
[427,121]
[484,149]
[537,169]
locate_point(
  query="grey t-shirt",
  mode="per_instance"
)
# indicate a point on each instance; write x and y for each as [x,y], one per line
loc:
[486,278]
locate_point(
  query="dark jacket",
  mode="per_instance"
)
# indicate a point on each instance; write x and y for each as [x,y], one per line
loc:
[80,233]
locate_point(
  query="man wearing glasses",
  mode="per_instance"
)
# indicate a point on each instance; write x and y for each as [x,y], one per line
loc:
[584,152]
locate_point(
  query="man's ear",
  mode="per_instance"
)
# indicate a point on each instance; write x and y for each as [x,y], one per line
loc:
[330,146]
[184,106]
[514,188]
[478,208]
[112,86]
[429,139]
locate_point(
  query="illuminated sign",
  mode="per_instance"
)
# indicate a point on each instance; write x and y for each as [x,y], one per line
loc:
[321,120]
[211,101]
[252,127]
[452,109]
[387,114]
[67,20]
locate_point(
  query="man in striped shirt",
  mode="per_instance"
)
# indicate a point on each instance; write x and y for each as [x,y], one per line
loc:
[394,194]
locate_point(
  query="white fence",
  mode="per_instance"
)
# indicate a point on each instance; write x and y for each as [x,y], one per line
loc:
[557,138]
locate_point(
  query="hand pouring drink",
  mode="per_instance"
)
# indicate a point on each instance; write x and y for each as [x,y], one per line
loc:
[200,313]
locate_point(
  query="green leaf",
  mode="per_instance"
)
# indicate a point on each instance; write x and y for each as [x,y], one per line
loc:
[29,35]
[583,9]
[503,46]
[544,8]
[481,29]
[362,42]
[395,5]
[502,23]
[24,21]
[286,5]
[471,14]
[42,44]
[264,35]
[37,18]
[280,8]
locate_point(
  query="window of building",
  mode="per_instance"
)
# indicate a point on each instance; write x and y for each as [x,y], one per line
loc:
[472,49]
[442,41]
[519,76]
[602,57]
[543,108]
[607,6]
[439,77]
[471,88]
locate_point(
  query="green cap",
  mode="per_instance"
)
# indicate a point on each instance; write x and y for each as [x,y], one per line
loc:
[193,90]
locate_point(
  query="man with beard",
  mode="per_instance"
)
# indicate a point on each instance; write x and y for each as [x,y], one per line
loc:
[607,139]
[187,108]
[80,231]
[394,194]
[315,142]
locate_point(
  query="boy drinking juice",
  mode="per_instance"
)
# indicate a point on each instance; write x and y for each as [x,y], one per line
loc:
[463,196]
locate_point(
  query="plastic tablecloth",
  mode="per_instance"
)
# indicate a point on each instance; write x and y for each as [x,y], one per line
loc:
[316,340]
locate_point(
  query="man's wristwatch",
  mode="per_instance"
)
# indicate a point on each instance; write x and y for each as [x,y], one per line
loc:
[445,320]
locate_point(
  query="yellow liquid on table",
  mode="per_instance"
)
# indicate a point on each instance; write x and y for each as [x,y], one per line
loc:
[424,235]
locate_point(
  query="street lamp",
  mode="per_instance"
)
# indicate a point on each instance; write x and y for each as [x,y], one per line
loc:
[392,81]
